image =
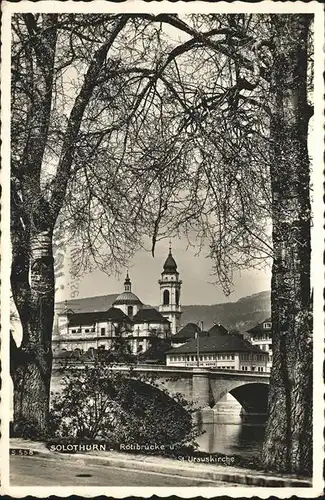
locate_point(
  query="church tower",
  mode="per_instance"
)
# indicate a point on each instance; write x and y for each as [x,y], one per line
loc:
[170,293]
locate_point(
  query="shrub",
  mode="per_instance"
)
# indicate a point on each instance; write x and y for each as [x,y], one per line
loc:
[99,403]
[25,429]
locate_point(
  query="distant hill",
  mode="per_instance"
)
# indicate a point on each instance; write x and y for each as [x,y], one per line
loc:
[240,315]
[89,304]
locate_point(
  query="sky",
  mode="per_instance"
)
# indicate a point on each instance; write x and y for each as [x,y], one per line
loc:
[145,270]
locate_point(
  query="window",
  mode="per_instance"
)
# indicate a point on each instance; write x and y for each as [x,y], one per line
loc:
[103,331]
[93,329]
[166,297]
[177,297]
[130,311]
[232,357]
[267,325]
[86,330]
[270,347]
[73,331]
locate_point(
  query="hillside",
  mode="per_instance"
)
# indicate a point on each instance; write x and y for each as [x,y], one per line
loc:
[243,314]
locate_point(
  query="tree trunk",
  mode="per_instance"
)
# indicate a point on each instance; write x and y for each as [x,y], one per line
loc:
[288,441]
[31,363]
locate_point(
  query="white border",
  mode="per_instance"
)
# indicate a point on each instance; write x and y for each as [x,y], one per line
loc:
[98,6]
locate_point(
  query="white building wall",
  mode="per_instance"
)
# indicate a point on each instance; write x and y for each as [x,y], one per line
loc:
[124,308]
[171,311]
[265,344]
[222,361]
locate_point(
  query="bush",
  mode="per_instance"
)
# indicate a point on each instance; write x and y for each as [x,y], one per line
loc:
[98,403]
[25,429]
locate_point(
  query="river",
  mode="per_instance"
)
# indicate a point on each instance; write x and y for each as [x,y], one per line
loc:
[231,439]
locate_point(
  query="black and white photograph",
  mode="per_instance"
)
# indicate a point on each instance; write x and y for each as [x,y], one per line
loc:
[162,323]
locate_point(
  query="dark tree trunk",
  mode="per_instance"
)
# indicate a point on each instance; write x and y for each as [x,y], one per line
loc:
[31,363]
[288,442]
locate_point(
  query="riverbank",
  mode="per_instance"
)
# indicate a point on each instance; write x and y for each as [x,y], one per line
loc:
[184,466]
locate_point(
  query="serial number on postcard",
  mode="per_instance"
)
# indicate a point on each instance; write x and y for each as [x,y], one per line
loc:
[21,452]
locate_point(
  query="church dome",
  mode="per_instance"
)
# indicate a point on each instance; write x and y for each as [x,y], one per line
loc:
[170,265]
[127,298]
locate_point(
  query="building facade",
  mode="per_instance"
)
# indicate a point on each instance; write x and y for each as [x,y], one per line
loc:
[219,349]
[127,317]
[261,336]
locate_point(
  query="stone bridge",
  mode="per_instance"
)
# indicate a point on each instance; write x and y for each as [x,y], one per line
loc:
[204,387]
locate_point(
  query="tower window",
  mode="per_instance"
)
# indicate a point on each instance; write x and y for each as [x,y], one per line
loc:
[130,311]
[177,297]
[166,297]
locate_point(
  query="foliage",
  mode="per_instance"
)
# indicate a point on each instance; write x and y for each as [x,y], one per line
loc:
[156,350]
[26,429]
[100,403]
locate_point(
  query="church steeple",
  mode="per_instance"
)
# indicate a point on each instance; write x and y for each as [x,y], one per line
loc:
[170,265]
[170,292]
[127,283]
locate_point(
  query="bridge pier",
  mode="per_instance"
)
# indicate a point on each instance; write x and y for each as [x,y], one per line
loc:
[201,393]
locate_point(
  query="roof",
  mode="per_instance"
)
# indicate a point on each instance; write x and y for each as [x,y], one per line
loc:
[259,327]
[113,314]
[218,329]
[64,312]
[170,265]
[127,298]
[216,343]
[187,332]
[149,316]
[88,304]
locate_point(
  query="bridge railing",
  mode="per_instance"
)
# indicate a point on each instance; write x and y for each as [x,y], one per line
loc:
[164,369]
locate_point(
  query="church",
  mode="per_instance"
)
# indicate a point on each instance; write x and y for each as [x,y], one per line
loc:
[126,317]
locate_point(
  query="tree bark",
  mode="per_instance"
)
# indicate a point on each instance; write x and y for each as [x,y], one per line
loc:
[288,441]
[31,363]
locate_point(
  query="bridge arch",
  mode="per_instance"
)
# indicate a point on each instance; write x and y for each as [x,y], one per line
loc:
[252,396]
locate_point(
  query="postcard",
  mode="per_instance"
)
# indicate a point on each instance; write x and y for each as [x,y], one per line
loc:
[162,237]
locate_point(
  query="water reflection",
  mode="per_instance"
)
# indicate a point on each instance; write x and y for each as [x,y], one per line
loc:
[231,438]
